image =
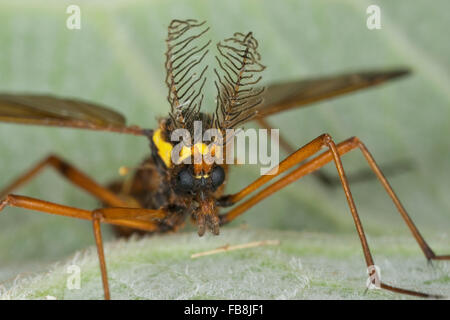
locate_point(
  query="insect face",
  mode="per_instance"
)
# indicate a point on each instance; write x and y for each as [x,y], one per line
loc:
[200,188]
[191,182]
[200,182]
[194,180]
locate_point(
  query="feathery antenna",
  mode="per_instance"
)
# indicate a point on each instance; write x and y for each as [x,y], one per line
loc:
[185,77]
[236,96]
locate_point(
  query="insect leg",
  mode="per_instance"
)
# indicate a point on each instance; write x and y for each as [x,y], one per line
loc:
[334,153]
[429,254]
[327,180]
[128,217]
[294,159]
[101,255]
[287,147]
[74,175]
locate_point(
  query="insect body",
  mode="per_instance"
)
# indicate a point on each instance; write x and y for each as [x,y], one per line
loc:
[173,184]
[183,190]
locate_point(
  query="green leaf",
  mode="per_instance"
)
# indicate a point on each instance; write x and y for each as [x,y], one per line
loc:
[304,266]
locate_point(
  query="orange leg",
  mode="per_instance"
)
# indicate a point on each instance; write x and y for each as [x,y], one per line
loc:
[334,153]
[331,181]
[101,255]
[72,174]
[128,217]
[323,177]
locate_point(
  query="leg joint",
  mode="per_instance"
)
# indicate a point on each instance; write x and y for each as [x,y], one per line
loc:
[327,140]
[9,200]
[52,158]
[326,137]
[97,215]
[59,164]
[356,141]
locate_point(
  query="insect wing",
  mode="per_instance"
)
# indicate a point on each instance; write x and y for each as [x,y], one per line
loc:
[289,95]
[54,111]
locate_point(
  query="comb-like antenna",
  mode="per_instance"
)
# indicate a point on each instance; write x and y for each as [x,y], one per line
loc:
[185,79]
[236,96]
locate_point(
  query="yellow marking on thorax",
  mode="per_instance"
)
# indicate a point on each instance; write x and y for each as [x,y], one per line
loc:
[164,148]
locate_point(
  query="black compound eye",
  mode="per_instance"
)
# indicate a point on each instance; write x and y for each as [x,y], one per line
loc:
[217,176]
[185,180]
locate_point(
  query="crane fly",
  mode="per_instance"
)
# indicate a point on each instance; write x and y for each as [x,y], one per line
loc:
[160,194]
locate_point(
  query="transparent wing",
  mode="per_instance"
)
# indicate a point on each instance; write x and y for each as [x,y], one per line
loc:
[280,97]
[61,112]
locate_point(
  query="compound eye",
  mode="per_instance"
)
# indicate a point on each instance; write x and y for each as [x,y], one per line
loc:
[217,176]
[185,180]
